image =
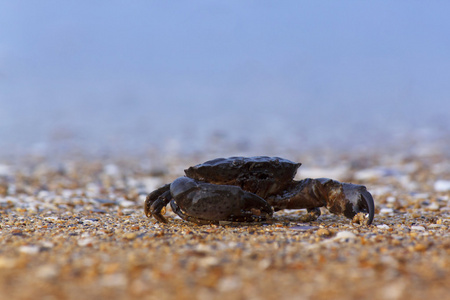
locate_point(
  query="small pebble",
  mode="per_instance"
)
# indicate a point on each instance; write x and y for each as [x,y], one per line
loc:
[51,219]
[130,235]
[47,245]
[89,222]
[391,199]
[209,261]
[29,249]
[303,228]
[265,264]
[47,272]
[126,203]
[127,211]
[420,247]
[229,283]
[85,242]
[345,235]
[384,226]
[415,215]
[386,210]
[436,226]
[420,196]
[113,280]
[324,232]
[433,206]
[418,228]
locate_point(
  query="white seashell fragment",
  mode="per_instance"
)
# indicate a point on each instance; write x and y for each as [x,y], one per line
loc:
[419,228]
[436,226]
[43,194]
[384,226]
[29,249]
[85,242]
[127,211]
[47,272]
[89,222]
[386,210]
[345,235]
[51,219]
[433,206]
[420,196]
[47,245]
[390,199]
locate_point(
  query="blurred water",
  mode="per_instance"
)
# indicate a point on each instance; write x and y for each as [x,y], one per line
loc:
[255,76]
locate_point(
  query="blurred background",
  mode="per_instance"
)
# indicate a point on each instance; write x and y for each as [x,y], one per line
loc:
[259,77]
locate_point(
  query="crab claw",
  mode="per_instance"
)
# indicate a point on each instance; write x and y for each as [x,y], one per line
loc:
[361,201]
[348,199]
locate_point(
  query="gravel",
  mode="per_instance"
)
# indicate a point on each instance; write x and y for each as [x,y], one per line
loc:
[75,229]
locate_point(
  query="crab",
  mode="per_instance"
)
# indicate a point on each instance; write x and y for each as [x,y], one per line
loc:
[250,189]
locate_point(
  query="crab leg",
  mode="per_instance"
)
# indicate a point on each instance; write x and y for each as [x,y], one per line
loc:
[156,201]
[308,193]
[340,198]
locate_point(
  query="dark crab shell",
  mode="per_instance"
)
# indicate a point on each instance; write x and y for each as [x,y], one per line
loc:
[261,175]
[204,202]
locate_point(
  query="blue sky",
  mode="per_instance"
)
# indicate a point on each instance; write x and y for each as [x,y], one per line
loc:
[258,70]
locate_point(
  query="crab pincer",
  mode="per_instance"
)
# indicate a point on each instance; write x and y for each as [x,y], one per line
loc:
[348,199]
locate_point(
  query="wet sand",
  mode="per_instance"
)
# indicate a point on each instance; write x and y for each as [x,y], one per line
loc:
[75,229]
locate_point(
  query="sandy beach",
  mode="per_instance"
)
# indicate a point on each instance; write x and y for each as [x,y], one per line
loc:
[75,229]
